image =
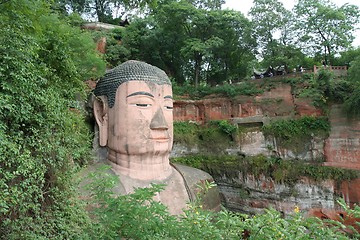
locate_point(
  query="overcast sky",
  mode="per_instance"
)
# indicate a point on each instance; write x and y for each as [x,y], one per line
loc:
[245,5]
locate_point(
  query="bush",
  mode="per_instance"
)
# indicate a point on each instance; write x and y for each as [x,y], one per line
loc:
[226,90]
[191,134]
[292,133]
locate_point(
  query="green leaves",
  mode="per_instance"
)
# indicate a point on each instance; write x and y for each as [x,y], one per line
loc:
[138,216]
[43,64]
[287,130]
[326,26]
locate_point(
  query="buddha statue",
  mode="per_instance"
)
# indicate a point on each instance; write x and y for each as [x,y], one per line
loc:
[133,109]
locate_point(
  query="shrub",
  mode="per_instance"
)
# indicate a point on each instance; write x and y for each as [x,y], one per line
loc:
[292,133]
[226,90]
[211,137]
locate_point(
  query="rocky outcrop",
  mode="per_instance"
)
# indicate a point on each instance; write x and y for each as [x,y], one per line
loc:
[342,147]
[251,113]
[245,193]
[276,102]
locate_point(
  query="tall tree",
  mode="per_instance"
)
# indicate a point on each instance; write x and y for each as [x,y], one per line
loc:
[43,62]
[270,18]
[324,27]
[103,10]
[230,60]
[273,30]
[192,44]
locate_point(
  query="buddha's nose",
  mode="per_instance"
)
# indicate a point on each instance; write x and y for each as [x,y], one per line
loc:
[158,121]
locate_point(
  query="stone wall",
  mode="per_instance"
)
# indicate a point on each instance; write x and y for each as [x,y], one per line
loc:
[338,71]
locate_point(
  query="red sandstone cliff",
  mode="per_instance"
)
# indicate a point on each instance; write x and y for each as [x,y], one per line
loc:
[340,149]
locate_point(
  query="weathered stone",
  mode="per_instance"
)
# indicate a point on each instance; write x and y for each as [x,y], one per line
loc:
[342,148]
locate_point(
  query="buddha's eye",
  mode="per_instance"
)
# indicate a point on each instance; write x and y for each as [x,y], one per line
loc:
[169,107]
[143,105]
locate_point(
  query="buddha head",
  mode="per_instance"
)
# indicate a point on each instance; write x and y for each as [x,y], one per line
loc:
[133,109]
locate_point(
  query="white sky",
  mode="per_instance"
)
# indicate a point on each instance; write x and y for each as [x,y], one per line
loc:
[245,5]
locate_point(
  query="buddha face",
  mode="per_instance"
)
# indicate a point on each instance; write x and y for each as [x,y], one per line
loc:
[141,120]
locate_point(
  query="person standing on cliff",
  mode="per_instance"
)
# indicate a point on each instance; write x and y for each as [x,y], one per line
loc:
[133,110]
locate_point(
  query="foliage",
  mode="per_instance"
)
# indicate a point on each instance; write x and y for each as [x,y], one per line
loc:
[323,88]
[133,216]
[282,171]
[115,51]
[200,161]
[323,25]
[315,87]
[103,10]
[270,19]
[292,133]
[189,43]
[43,63]
[347,57]
[246,88]
[352,99]
[186,132]
[226,127]
[197,43]
[340,90]
[288,133]
[138,216]
[191,134]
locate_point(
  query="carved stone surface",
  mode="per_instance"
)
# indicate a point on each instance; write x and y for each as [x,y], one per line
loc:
[133,108]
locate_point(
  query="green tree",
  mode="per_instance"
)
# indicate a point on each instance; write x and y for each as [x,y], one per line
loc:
[214,44]
[190,44]
[273,27]
[352,99]
[119,217]
[325,28]
[207,4]
[103,10]
[346,57]
[230,60]
[43,63]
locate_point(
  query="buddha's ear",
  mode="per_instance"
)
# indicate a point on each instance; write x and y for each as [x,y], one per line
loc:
[101,117]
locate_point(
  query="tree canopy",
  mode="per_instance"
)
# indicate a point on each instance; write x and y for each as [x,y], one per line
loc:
[325,28]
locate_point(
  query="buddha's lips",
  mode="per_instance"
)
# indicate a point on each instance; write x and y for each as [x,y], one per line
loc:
[160,139]
[160,136]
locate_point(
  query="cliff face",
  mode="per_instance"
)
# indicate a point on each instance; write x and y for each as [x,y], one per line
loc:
[244,192]
[251,113]
[342,147]
[251,195]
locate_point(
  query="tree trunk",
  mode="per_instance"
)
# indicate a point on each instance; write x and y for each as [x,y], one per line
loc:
[198,60]
[197,73]
[100,10]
